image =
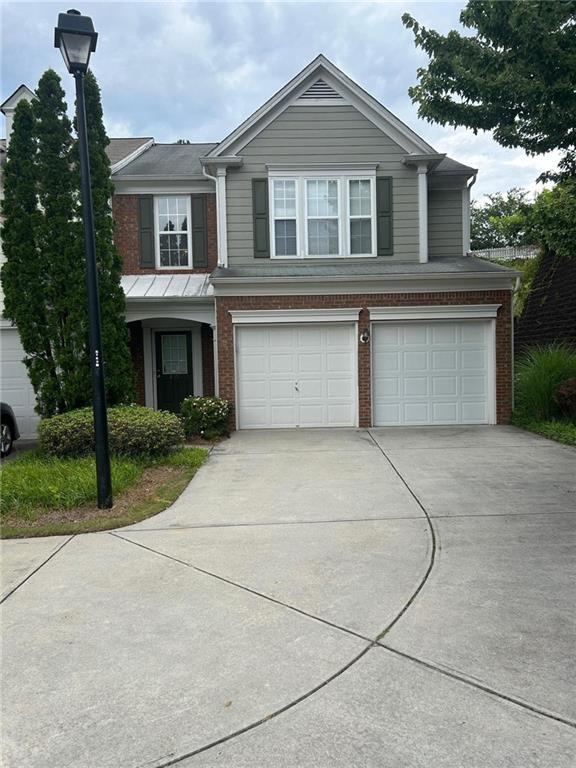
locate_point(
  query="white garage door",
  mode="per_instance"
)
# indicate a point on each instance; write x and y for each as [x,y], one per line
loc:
[15,387]
[431,373]
[296,376]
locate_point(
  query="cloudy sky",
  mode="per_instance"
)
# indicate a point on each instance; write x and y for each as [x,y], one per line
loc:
[195,70]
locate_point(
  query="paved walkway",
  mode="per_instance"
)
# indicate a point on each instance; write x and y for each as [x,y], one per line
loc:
[338,599]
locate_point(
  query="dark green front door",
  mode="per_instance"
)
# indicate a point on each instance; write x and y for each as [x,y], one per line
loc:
[173,369]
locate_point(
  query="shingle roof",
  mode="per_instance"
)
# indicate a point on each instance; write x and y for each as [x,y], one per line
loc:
[448,165]
[463,265]
[118,149]
[167,161]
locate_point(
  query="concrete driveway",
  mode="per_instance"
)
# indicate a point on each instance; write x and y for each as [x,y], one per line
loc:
[343,598]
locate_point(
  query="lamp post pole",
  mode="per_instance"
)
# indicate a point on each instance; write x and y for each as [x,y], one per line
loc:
[76,39]
[103,475]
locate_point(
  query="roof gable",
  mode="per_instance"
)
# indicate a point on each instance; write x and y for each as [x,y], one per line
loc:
[22,92]
[319,81]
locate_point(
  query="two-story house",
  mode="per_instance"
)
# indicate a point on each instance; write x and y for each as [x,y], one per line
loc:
[312,269]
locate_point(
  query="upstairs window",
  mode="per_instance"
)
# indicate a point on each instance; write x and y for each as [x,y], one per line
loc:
[173,217]
[360,216]
[322,206]
[323,215]
[284,213]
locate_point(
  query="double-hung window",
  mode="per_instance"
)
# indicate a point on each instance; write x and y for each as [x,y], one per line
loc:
[285,218]
[325,215]
[173,243]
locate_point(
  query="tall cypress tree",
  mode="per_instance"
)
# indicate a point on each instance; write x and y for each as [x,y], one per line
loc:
[117,360]
[23,278]
[44,273]
[59,241]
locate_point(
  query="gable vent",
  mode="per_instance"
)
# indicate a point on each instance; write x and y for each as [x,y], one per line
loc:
[320,90]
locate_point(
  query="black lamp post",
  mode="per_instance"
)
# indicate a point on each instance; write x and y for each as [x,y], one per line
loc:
[76,39]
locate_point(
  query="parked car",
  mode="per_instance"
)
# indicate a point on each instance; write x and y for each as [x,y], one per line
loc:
[9,433]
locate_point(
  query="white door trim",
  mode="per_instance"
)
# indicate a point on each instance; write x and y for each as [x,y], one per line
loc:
[293,316]
[447,312]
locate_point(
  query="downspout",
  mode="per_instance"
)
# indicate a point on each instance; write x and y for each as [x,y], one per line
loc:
[469,229]
[215,326]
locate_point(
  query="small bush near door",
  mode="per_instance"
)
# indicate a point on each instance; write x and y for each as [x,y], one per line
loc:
[132,430]
[205,417]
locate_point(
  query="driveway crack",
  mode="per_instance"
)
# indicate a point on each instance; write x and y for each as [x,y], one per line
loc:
[42,564]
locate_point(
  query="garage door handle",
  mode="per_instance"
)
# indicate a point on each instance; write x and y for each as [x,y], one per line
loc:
[296,386]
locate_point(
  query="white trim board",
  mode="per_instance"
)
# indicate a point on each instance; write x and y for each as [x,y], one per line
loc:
[274,316]
[446,312]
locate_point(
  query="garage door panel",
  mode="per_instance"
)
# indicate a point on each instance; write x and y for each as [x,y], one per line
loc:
[415,361]
[279,363]
[473,359]
[445,413]
[444,360]
[444,385]
[415,334]
[440,377]
[309,370]
[310,363]
[336,362]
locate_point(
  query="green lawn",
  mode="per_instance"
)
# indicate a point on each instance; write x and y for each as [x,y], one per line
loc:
[46,496]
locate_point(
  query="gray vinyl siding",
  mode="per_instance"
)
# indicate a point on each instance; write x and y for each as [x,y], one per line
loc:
[325,134]
[445,223]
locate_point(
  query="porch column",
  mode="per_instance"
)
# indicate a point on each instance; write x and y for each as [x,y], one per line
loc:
[422,170]
[215,345]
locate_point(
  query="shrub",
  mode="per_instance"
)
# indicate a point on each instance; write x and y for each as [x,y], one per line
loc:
[565,398]
[132,430]
[205,416]
[539,372]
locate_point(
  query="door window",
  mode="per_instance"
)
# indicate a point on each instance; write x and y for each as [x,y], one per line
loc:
[174,354]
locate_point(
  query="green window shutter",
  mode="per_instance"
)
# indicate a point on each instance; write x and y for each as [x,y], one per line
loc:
[260,218]
[384,215]
[146,227]
[199,231]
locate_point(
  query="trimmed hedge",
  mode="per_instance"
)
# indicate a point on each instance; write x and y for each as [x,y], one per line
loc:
[132,430]
[205,416]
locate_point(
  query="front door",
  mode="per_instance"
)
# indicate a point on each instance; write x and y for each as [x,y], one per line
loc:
[173,369]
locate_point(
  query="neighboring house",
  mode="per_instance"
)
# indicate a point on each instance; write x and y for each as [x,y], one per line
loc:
[318,255]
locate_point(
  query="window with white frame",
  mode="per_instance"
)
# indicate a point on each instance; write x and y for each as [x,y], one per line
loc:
[284,216]
[323,215]
[173,219]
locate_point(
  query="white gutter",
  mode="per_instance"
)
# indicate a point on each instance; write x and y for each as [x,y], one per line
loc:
[466,214]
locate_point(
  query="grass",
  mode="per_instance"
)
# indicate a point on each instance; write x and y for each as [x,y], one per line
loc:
[47,496]
[562,431]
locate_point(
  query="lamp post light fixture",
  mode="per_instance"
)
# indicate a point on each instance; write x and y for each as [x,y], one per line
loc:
[76,39]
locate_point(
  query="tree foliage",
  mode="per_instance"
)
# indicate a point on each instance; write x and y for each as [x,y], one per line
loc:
[553,219]
[118,364]
[502,220]
[44,273]
[515,75]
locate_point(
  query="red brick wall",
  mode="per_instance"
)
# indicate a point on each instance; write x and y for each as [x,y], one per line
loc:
[207,340]
[503,335]
[137,353]
[126,236]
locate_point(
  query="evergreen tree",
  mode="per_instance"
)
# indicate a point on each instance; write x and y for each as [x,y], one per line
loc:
[22,272]
[118,363]
[44,273]
[63,383]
